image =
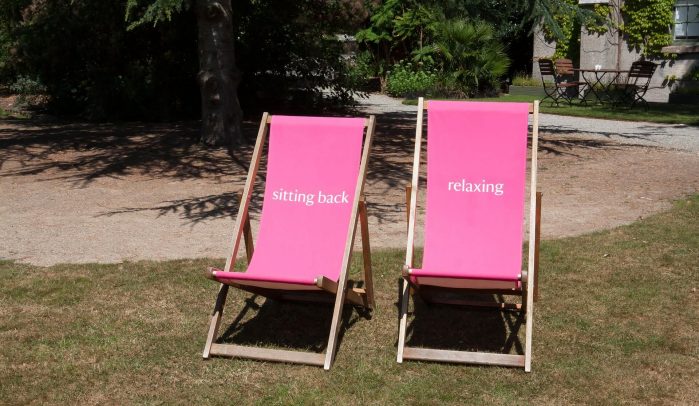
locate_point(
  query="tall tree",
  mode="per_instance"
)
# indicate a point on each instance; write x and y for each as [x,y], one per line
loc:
[79,53]
[218,76]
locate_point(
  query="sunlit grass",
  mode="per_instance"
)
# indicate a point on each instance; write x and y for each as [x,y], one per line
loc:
[616,323]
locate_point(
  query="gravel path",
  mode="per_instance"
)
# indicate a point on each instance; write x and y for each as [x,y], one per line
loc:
[672,136]
[84,192]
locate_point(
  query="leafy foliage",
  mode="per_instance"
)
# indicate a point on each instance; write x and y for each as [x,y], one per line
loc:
[154,12]
[28,90]
[360,70]
[470,54]
[287,52]
[397,28]
[561,20]
[410,80]
[458,38]
[93,62]
[647,24]
[10,19]
[90,65]
[563,29]
[603,22]
[510,20]
[692,75]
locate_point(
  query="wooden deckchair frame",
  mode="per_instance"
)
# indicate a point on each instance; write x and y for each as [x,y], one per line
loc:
[529,278]
[327,288]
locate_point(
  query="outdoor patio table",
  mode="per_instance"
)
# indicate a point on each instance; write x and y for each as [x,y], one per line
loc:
[596,83]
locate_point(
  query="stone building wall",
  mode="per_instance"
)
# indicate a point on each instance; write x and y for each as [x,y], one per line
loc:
[611,52]
[542,49]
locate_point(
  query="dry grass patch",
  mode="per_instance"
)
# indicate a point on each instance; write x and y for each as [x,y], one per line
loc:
[616,323]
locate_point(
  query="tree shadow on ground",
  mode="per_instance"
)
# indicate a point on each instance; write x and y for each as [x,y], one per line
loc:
[393,149]
[391,161]
[83,152]
[197,209]
[80,153]
[563,130]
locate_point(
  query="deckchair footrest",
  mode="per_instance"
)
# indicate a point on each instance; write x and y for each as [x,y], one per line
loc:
[267,354]
[463,357]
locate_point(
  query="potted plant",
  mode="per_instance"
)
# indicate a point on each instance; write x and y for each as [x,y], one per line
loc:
[524,85]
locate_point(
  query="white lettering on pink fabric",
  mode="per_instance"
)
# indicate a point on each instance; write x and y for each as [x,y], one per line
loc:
[465,186]
[309,199]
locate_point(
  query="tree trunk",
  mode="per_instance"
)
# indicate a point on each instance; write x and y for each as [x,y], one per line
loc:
[218,76]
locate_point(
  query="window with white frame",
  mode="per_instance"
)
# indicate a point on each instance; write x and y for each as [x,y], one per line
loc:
[687,19]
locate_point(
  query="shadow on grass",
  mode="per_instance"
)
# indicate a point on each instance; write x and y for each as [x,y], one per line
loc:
[465,328]
[287,324]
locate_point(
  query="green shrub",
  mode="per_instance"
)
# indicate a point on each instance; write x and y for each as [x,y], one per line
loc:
[471,54]
[408,80]
[24,85]
[360,69]
[448,86]
[27,90]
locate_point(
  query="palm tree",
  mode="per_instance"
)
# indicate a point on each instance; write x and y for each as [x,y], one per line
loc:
[470,54]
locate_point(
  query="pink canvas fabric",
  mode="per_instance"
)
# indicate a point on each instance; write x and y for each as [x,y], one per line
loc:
[476,165]
[312,170]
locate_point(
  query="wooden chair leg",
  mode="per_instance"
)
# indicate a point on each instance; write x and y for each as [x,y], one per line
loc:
[404,298]
[528,329]
[347,256]
[223,292]
[531,271]
[366,253]
[335,325]
[537,238]
[215,319]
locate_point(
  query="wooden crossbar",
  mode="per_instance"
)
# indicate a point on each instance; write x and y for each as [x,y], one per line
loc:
[463,357]
[426,103]
[268,354]
[356,296]
[367,122]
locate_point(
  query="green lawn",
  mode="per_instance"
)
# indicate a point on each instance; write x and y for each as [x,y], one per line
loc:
[656,112]
[616,323]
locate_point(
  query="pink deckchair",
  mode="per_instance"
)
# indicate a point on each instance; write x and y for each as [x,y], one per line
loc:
[476,164]
[313,197]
